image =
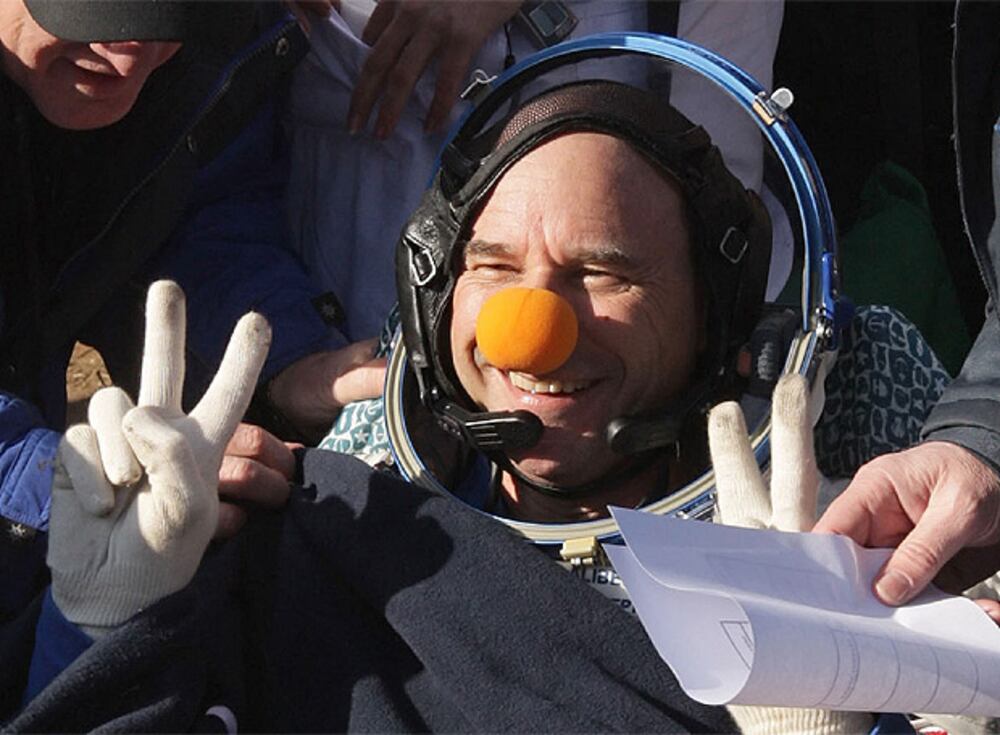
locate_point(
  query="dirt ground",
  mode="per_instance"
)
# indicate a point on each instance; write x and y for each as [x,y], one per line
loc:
[84,376]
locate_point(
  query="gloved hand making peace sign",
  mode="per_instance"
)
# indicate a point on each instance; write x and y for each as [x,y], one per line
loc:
[743,499]
[134,499]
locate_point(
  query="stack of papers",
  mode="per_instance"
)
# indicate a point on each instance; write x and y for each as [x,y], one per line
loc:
[788,619]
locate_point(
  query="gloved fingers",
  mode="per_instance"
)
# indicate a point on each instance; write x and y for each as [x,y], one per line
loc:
[794,477]
[80,456]
[105,413]
[162,379]
[177,489]
[817,395]
[741,494]
[226,400]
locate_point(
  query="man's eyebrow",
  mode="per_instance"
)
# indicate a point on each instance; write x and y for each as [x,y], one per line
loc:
[607,255]
[602,255]
[486,249]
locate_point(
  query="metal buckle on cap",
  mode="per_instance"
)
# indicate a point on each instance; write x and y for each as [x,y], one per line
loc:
[734,245]
[422,265]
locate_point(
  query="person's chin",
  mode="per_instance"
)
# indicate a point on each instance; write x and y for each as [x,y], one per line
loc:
[552,465]
[78,111]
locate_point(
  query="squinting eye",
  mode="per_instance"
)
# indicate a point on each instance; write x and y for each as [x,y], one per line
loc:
[489,267]
[602,278]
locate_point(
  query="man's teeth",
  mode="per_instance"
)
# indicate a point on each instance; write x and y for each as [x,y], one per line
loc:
[523,382]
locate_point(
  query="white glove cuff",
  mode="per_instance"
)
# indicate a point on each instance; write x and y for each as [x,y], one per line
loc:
[785,720]
[111,597]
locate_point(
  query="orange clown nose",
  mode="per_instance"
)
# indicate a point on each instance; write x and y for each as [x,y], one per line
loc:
[530,330]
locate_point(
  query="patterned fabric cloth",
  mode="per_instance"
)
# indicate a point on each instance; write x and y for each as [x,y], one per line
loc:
[879,392]
[360,428]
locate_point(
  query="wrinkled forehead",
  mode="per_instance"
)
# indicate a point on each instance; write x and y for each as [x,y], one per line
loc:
[587,190]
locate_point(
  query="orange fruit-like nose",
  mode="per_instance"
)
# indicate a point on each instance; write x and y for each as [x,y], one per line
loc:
[530,330]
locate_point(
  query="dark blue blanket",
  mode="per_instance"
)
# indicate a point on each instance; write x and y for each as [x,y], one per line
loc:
[367,605]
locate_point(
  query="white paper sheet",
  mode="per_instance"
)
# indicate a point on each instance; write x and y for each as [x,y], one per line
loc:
[770,618]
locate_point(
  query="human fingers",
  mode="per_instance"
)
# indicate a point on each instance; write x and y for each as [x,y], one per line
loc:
[304,10]
[231,519]
[945,526]
[360,382]
[402,78]
[870,511]
[253,442]
[311,391]
[178,492]
[246,480]
[380,18]
[469,26]
[740,491]
[991,608]
[80,456]
[105,412]
[162,380]
[226,400]
[845,517]
[794,477]
[452,72]
[357,353]
[381,59]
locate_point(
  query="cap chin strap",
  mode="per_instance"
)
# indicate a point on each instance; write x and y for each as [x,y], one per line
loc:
[635,435]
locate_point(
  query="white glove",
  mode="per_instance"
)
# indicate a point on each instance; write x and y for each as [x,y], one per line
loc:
[743,500]
[742,495]
[134,499]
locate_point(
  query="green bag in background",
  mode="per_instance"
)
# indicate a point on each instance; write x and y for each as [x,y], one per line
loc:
[891,256]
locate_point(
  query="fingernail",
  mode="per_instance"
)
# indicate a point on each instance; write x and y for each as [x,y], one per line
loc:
[354,124]
[893,587]
[382,131]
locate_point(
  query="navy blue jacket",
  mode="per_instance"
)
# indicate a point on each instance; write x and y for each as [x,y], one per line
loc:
[188,186]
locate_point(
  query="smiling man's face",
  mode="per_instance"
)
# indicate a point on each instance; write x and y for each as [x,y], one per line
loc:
[586,216]
[78,86]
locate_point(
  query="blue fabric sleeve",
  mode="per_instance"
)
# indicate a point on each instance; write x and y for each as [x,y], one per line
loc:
[232,254]
[27,459]
[58,643]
